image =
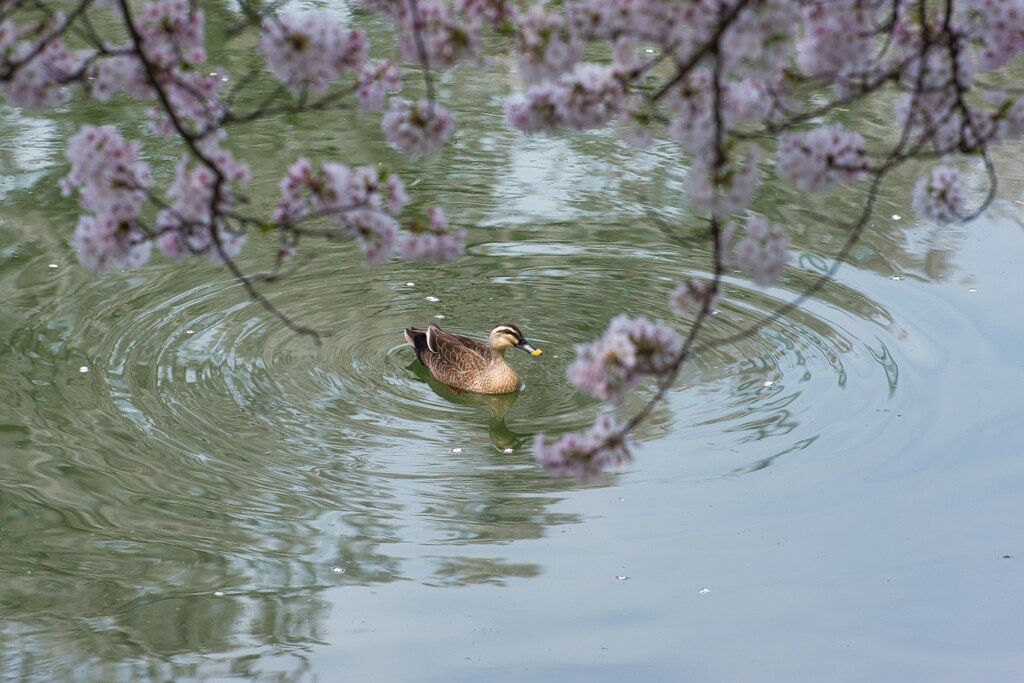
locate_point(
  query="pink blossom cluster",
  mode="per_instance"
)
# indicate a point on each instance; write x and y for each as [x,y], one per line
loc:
[172,34]
[435,35]
[603,447]
[333,187]
[548,44]
[194,98]
[311,51]
[629,349]
[355,199]
[376,81]
[998,29]
[491,12]
[758,42]
[35,77]
[120,73]
[761,254]
[190,224]
[112,183]
[838,37]
[591,96]
[433,243]
[941,195]
[726,189]
[668,24]
[420,128]
[818,158]
[694,117]
[694,296]
[104,243]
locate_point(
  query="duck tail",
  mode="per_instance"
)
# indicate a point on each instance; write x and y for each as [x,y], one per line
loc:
[417,339]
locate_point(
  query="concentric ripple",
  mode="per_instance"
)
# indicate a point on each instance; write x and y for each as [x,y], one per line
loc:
[205,369]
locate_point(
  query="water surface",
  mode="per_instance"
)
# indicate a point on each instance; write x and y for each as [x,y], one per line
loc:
[188,491]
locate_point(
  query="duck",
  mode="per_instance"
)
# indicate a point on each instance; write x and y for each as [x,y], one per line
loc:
[465,364]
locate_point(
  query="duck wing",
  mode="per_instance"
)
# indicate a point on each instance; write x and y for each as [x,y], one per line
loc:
[450,358]
[441,342]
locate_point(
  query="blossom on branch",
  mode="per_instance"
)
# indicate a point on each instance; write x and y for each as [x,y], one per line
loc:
[940,195]
[35,76]
[726,189]
[837,37]
[105,243]
[695,296]
[112,185]
[999,30]
[312,51]
[630,348]
[376,80]
[819,158]
[191,224]
[420,128]
[761,254]
[172,34]
[548,43]
[107,172]
[589,97]
[435,36]
[433,243]
[585,456]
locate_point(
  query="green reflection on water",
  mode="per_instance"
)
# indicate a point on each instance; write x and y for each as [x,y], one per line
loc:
[163,440]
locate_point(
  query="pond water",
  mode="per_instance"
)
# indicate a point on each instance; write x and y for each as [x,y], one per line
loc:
[188,491]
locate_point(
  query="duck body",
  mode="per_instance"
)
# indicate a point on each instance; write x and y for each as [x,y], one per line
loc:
[465,364]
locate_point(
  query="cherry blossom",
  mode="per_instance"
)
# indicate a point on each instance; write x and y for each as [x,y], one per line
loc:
[630,348]
[837,37]
[999,29]
[311,51]
[589,97]
[420,128]
[121,74]
[727,189]
[548,44]
[757,43]
[189,225]
[817,159]
[694,296]
[37,76]
[604,447]
[433,243]
[940,195]
[761,254]
[433,28]
[106,170]
[105,243]
[376,81]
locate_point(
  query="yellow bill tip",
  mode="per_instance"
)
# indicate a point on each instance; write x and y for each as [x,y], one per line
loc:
[536,352]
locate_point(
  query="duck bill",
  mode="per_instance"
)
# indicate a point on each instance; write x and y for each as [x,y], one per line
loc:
[529,348]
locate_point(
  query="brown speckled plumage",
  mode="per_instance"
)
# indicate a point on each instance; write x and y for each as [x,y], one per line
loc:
[469,365]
